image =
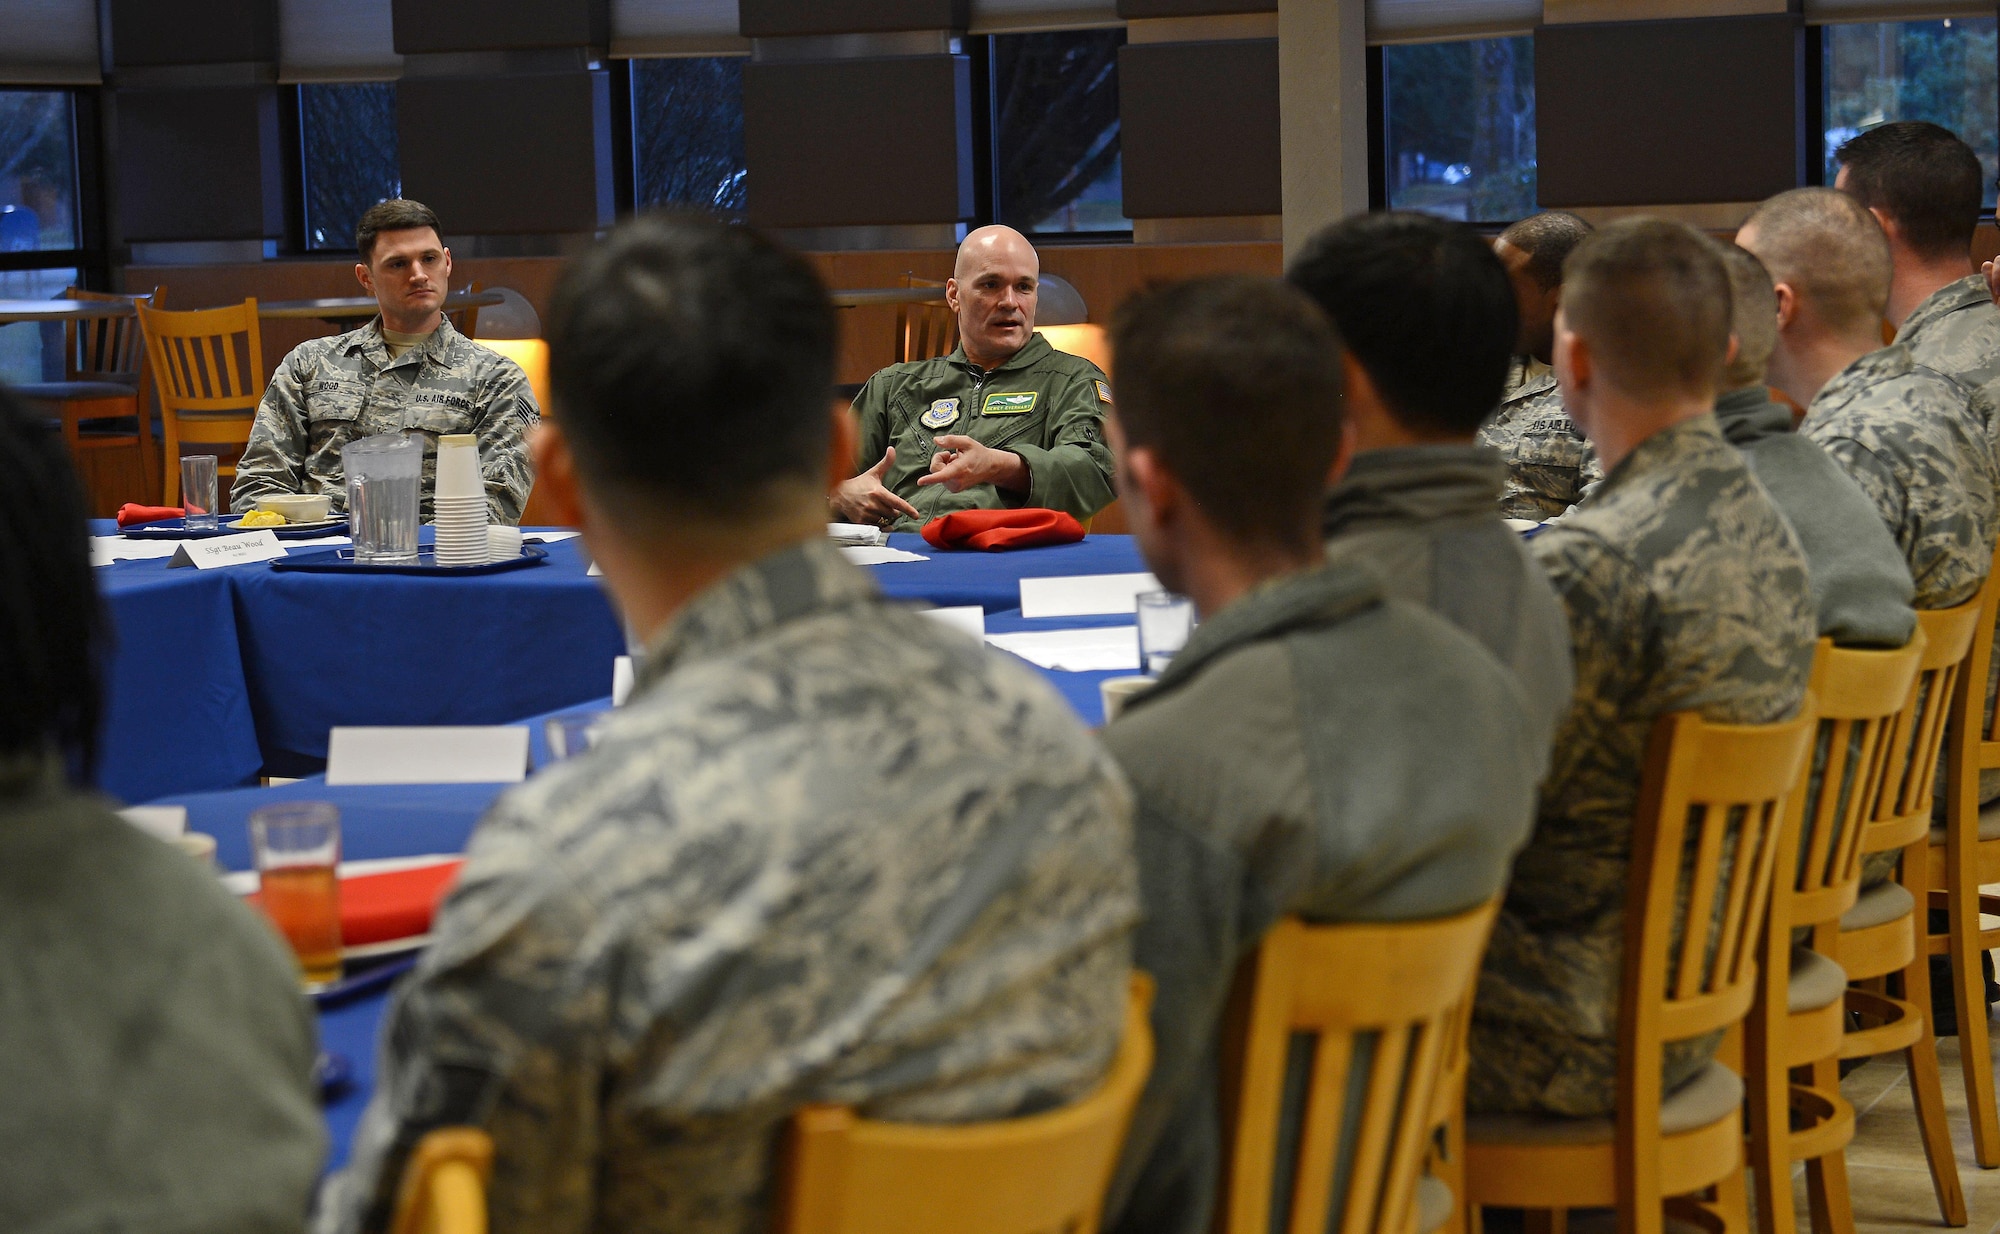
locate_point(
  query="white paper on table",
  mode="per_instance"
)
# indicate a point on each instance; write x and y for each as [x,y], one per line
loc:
[106,549]
[549,537]
[1085,595]
[243,882]
[621,680]
[166,822]
[856,533]
[966,618]
[484,754]
[862,555]
[1099,649]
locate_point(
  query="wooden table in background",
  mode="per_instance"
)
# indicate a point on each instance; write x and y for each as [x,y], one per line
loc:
[61,310]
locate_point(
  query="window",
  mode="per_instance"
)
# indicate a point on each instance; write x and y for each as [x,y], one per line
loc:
[1055,119]
[349,138]
[687,133]
[1459,128]
[37,216]
[1941,71]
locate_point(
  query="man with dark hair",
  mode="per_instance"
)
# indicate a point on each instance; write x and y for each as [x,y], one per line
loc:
[830,851]
[1549,463]
[1860,584]
[1003,421]
[1907,434]
[407,370]
[1686,590]
[155,1051]
[1419,503]
[1317,748]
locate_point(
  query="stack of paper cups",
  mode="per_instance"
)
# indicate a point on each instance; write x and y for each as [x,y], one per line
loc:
[503,543]
[461,503]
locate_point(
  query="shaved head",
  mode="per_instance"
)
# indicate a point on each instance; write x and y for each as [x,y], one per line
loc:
[1651,299]
[986,245]
[993,289]
[1829,249]
[1753,316]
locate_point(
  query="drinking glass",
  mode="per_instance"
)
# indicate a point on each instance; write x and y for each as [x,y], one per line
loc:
[1165,623]
[198,499]
[385,476]
[297,849]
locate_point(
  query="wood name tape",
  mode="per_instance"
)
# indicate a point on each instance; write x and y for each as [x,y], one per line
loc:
[228,550]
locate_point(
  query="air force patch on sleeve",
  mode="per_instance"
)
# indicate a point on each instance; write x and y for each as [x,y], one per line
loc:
[1103,391]
[941,414]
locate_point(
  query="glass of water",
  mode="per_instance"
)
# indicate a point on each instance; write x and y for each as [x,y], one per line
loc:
[1166,621]
[385,475]
[198,495]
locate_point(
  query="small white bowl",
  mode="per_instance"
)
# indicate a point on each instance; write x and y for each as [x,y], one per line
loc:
[298,508]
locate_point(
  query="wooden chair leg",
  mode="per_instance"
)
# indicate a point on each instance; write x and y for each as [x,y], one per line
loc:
[1826,1177]
[1732,1204]
[1769,1142]
[1974,1046]
[1927,1089]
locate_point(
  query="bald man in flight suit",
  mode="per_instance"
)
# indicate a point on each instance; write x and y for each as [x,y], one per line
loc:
[1005,421]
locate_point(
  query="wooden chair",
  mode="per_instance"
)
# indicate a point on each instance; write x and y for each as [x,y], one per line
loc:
[208,366]
[1088,341]
[1961,856]
[1690,969]
[1799,1018]
[1048,1172]
[1384,1005]
[925,331]
[102,391]
[466,320]
[444,1185]
[1440,1192]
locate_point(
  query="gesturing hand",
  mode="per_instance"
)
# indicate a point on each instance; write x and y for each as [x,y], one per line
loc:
[961,462]
[864,500]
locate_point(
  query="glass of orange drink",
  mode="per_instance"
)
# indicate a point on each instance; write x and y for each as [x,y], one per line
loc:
[297,848]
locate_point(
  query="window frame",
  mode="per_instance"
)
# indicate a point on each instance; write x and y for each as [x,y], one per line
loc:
[90,257]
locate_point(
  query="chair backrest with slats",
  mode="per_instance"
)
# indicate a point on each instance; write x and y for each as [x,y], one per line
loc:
[208,370]
[105,348]
[1383,1005]
[924,331]
[1903,816]
[1975,740]
[1043,1174]
[443,1190]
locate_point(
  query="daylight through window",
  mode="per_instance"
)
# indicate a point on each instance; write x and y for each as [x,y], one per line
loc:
[1941,71]
[1459,128]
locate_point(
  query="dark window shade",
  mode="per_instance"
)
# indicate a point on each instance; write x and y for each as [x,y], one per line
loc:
[1199,128]
[1128,9]
[857,143]
[508,154]
[149,33]
[1666,112]
[199,164]
[424,26]
[766,19]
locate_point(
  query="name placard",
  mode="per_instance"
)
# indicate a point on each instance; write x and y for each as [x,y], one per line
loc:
[228,550]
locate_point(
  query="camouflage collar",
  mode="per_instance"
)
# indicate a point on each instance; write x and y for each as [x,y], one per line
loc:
[808,578]
[1895,360]
[1527,377]
[368,341]
[1671,444]
[1031,351]
[1415,484]
[1968,292]
[1750,415]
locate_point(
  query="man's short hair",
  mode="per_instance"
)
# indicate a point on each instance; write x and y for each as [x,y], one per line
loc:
[1922,176]
[1404,289]
[1651,299]
[1753,316]
[395,214]
[691,368]
[1548,239]
[1235,382]
[1830,250]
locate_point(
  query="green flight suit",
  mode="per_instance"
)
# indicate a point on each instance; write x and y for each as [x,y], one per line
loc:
[1045,405]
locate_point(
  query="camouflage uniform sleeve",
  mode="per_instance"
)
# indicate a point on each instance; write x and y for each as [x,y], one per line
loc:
[507,412]
[1072,471]
[1877,479]
[871,412]
[273,461]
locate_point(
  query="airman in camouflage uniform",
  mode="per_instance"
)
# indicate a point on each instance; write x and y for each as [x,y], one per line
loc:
[829,852]
[1549,463]
[1686,590]
[331,391]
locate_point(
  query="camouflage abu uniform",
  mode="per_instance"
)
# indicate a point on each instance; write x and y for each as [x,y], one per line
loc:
[1907,435]
[829,852]
[331,391]
[1548,461]
[1686,590]
[1045,405]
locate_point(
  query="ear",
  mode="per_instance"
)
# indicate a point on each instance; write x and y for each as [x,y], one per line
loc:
[367,280]
[447,265]
[1735,350]
[951,293]
[842,442]
[1788,306]
[1145,476]
[1889,226]
[1343,453]
[555,474]
[1575,365]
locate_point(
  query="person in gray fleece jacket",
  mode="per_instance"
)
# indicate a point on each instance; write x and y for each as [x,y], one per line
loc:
[1318,748]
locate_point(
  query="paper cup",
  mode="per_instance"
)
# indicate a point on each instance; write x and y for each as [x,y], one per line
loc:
[1118,691]
[503,543]
[198,845]
[458,467]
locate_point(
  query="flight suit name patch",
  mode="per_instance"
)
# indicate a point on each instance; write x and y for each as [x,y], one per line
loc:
[1010,404]
[941,414]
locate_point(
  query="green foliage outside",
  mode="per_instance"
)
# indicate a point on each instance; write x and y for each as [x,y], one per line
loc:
[351,158]
[1941,71]
[38,167]
[1460,120]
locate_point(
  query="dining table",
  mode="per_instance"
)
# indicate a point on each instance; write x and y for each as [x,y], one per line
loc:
[12,311]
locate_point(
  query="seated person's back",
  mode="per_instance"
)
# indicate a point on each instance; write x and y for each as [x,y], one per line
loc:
[1005,421]
[1317,748]
[829,851]
[407,370]
[156,1053]
[1686,591]
[1419,503]
[1861,587]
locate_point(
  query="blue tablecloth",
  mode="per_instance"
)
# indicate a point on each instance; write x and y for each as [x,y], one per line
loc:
[993,580]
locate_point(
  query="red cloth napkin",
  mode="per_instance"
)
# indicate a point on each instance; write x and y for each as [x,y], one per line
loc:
[995,530]
[375,908]
[129,513]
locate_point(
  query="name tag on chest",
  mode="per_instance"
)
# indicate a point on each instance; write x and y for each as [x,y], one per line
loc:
[1018,404]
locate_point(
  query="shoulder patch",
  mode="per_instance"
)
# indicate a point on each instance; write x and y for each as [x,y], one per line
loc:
[1018,404]
[1103,391]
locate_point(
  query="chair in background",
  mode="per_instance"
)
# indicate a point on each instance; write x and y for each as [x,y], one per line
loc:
[1047,1172]
[444,1185]
[101,403]
[466,320]
[208,371]
[925,331]
[1799,1018]
[1690,969]
[1384,1006]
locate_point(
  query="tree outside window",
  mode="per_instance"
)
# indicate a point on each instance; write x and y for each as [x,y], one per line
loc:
[349,134]
[1940,71]
[687,134]
[1459,123]
[1055,115]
